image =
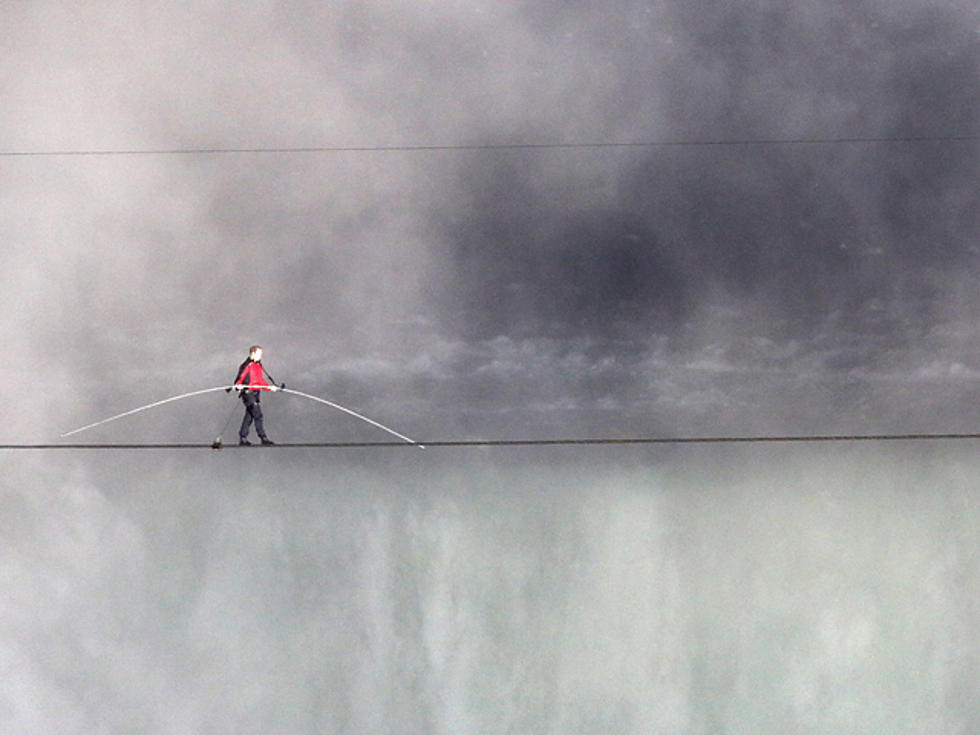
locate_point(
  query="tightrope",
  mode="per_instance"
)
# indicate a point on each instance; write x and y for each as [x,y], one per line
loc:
[798,439]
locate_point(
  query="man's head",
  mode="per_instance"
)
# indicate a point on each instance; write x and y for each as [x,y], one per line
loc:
[255,352]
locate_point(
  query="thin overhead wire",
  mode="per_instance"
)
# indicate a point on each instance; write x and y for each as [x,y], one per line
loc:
[798,439]
[463,147]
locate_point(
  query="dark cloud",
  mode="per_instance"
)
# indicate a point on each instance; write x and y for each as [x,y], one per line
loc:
[522,263]
[805,228]
[380,257]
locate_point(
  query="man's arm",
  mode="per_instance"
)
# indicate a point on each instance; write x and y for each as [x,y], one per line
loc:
[238,377]
[272,381]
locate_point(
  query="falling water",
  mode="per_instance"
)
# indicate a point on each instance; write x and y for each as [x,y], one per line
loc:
[818,590]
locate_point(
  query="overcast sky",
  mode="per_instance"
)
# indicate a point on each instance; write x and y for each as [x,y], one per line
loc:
[718,283]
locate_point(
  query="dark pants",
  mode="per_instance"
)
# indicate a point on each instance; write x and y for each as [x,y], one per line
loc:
[253,412]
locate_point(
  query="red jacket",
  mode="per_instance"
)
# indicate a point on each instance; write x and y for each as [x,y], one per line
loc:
[251,374]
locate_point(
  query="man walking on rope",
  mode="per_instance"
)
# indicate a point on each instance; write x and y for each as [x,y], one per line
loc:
[252,374]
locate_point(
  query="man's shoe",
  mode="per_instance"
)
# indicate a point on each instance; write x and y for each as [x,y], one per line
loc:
[244,443]
[267,442]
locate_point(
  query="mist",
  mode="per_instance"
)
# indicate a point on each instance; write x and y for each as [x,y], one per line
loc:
[802,227]
[572,591]
[472,220]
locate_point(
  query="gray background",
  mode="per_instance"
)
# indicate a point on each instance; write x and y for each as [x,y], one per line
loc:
[796,257]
